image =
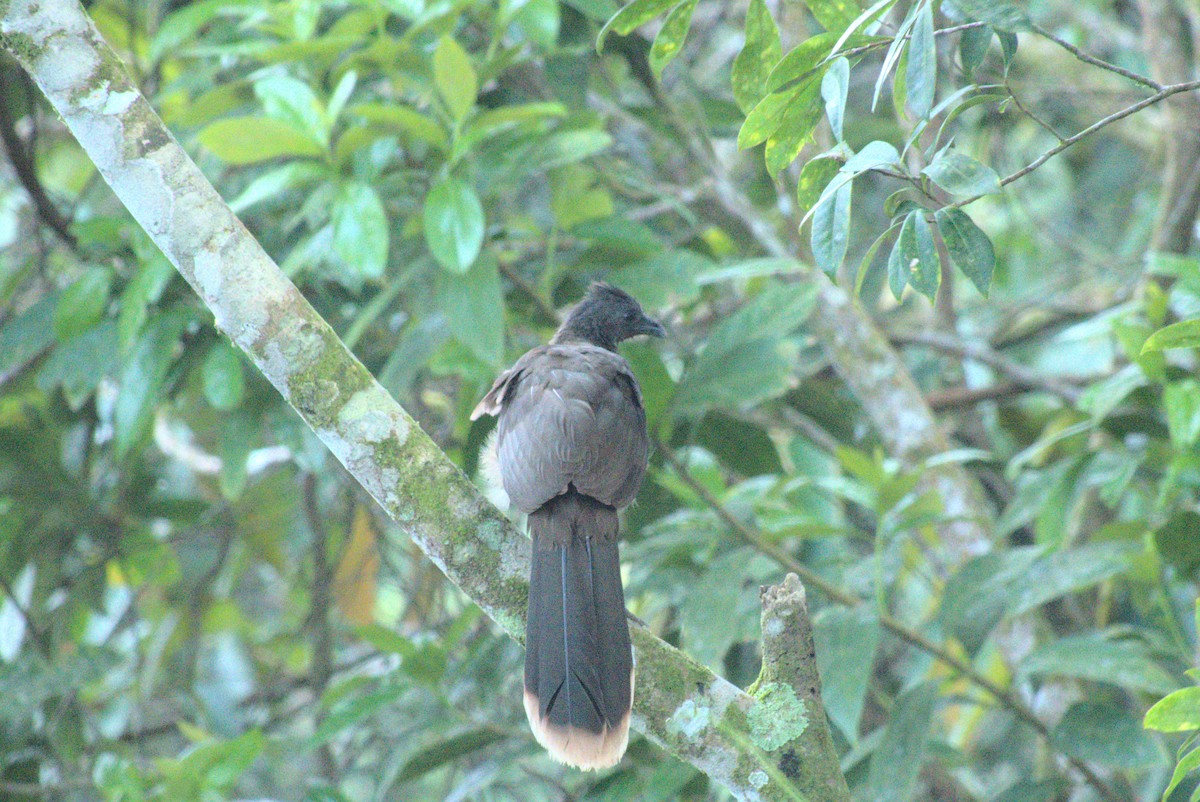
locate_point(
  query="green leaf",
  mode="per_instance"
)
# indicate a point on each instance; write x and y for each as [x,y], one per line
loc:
[448,751]
[143,379]
[567,147]
[224,376]
[1187,764]
[835,86]
[1101,733]
[1003,15]
[409,123]
[1124,663]
[272,184]
[901,751]
[873,155]
[717,613]
[455,78]
[293,102]
[801,62]
[1178,711]
[835,16]
[746,449]
[671,36]
[631,17]
[927,269]
[81,305]
[907,262]
[1064,572]
[473,303]
[757,57]
[969,248]
[742,362]
[666,279]
[814,177]
[253,139]
[360,233]
[79,365]
[1185,334]
[27,334]
[453,224]
[972,48]
[1182,402]
[766,117]
[846,639]
[830,231]
[795,128]
[1177,543]
[920,77]
[961,175]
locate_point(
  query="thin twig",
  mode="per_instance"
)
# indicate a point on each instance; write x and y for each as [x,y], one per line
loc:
[1157,97]
[1095,62]
[982,354]
[20,155]
[811,578]
[319,625]
[1028,113]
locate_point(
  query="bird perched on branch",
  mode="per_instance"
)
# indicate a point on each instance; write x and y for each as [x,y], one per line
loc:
[572,446]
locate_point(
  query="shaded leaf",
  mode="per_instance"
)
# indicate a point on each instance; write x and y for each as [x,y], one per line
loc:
[835,86]
[1003,15]
[82,304]
[846,639]
[969,248]
[1102,733]
[223,376]
[901,751]
[830,231]
[1068,571]
[473,304]
[961,175]
[142,381]
[920,77]
[1123,663]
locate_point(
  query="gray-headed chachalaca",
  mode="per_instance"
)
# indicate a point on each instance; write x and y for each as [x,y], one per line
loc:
[572,450]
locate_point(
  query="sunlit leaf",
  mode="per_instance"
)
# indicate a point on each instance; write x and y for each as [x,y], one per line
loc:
[757,57]
[455,77]
[453,224]
[671,36]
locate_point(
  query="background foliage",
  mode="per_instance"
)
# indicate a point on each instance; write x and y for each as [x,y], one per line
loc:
[195,604]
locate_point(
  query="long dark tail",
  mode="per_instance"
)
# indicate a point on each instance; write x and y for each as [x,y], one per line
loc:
[578,662]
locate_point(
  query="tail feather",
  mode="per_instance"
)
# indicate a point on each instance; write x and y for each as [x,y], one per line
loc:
[578,661]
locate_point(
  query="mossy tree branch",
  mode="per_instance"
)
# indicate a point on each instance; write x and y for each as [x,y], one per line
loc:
[680,704]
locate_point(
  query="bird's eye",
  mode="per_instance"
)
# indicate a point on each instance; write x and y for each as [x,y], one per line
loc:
[630,315]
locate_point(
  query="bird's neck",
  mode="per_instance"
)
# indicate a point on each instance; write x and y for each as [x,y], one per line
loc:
[584,330]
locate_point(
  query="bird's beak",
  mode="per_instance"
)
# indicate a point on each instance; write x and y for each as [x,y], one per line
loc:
[651,327]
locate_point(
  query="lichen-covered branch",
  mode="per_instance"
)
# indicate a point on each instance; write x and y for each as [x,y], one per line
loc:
[789,691]
[680,704]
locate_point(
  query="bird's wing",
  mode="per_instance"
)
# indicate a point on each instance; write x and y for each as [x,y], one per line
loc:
[570,414]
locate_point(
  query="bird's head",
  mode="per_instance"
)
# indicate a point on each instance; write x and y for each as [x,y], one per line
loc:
[606,316]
